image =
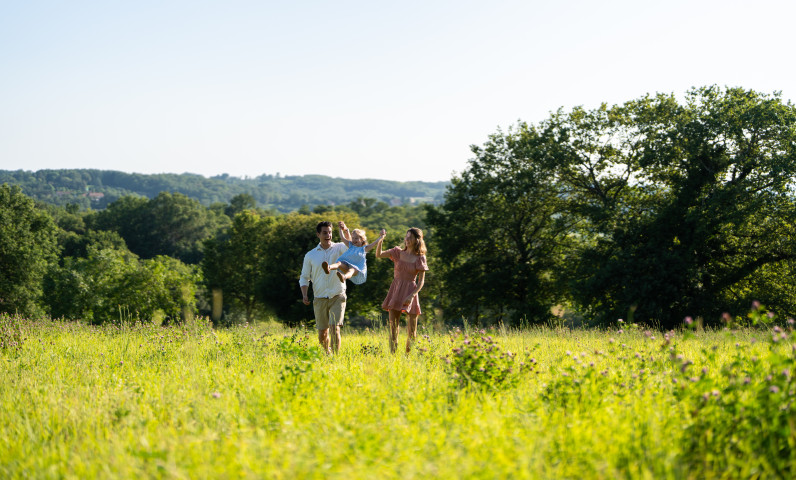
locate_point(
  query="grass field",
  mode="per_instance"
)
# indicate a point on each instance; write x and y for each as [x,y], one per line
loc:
[262,402]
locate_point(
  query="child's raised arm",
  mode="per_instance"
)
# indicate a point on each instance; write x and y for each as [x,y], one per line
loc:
[345,234]
[369,247]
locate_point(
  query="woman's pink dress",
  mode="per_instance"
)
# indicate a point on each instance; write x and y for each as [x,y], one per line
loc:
[403,282]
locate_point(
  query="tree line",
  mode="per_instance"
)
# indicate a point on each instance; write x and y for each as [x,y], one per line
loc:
[653,210]
[162,258]
[96,189]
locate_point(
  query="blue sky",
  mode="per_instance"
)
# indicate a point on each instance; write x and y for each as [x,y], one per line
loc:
[353,89]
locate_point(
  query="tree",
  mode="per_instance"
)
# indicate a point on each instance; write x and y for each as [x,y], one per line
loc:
[234,260]
[28,245]
[113,285]
[501,230]
[689,208]
[239,203]
[169,224]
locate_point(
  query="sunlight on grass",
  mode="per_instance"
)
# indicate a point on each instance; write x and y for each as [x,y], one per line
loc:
[262,401]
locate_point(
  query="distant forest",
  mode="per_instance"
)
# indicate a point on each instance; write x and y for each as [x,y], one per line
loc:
[95,189]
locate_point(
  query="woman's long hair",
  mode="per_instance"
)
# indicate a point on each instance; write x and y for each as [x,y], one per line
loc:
[419,248]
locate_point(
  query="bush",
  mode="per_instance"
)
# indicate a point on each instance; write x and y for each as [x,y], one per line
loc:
[478,362]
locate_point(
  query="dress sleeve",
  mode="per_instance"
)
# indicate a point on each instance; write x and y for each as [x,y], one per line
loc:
[395,254]
[420,264]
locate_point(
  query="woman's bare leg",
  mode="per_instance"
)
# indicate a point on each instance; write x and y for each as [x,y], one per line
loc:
[411,331]
[394,318]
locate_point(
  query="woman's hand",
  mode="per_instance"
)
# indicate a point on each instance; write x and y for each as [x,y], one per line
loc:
[409,299]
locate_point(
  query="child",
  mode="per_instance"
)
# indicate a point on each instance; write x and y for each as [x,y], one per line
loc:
[352,264]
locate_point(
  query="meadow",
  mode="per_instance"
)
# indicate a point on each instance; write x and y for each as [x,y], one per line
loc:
[262,401]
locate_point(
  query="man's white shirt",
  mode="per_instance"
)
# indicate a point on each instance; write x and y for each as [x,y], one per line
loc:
[323,285]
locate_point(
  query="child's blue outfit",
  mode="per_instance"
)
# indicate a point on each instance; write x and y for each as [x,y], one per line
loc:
[355,257]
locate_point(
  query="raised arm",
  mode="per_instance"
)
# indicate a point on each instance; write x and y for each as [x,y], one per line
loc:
[383,234]
[379,252]
[345,234]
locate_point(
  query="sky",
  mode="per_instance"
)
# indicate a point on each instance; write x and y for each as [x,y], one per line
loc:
[350,89]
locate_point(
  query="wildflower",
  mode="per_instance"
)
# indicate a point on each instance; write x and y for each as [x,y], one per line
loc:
[215,395]
[620,321]
[689,320]
[774,389]
[747,381]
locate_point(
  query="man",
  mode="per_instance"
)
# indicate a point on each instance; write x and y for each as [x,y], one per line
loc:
[328,299]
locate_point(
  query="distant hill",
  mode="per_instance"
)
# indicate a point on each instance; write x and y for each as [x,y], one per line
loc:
[98,188]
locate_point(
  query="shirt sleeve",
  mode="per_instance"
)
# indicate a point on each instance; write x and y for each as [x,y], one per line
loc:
[306,271]
[421,264]
[395,254]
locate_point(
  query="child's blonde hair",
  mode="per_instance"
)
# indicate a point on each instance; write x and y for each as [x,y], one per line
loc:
[361,233]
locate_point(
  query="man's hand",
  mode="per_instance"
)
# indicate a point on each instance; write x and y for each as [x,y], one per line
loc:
[306,300]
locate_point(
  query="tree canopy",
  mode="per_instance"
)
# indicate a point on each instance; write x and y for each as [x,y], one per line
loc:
[28,246]
[659,208]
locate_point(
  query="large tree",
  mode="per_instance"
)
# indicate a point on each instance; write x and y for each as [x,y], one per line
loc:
[235,258]
[501,231]
[28,246]
[688,206]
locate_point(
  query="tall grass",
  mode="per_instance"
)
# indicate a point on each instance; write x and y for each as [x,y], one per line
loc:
[78,401]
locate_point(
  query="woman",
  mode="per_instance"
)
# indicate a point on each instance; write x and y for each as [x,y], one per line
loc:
[408,278]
